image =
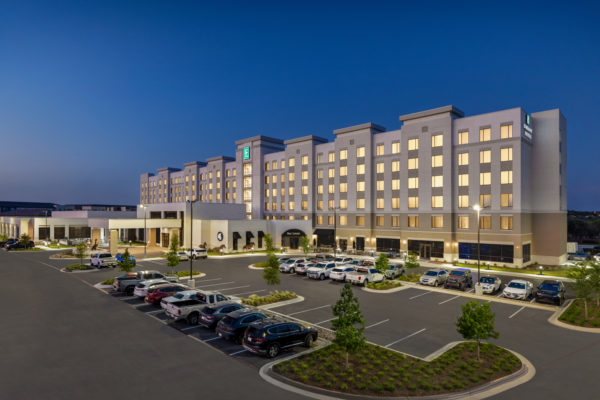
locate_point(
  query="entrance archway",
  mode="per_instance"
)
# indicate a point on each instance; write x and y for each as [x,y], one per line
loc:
[291,238]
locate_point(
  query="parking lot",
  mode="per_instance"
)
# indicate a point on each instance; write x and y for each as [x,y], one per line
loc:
[415,321]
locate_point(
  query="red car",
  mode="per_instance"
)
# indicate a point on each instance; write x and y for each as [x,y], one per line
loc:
[159,292]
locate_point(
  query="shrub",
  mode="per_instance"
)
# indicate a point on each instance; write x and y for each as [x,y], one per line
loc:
[78,267]
[109,281]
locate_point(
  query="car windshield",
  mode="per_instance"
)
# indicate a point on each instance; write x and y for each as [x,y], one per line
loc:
[320,265]
[339,259]
[549,286]
[337,270]
[516,285]
[431,273]
[458,273]
[487,279]
[228,320]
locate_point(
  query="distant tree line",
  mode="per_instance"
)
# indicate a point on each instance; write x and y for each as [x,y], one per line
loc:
[583,227]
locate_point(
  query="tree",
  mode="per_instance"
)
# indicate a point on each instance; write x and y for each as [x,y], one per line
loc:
[305,244]
[582,284]
[477,323]
[3,238]
[24,241]
[594,277]
[127,264]
[411,260]
[382,263]
[269,243]
[271,271]
[347,310]
[80,249]
[173,259]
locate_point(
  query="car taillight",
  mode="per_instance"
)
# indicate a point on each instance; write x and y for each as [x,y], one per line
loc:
[179,312]
[359,278]
[210,316]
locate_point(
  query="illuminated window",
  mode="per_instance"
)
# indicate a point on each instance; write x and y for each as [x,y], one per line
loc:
[291,176]
[506,200]
[331,156]
[331,173]
[437,181]
[319,220]
[282,176]
[463,159]
[395,220]
[247,182]
[485,134]
[267,166]
[319,174]
[304,175]
[360,204]
[360,186]
[380,168]
[274,192]
[304,204]
[283,206]
[413,144]
[291,191]
[506,131]
[343,220]
[437,161]
[274,178]
[343,204]
[506,223]
[506,177]
[360,169]
[413,163]
[506,154]
[380,185]
[274,165]
[380,203]
[437,141]
[395,147]
[463,180]
[463,222]
[485,178]
[282,164]
[292,162]
[330,220]
[343,187]
[343,154]
[379,220]
[267,208]
[343,171]
[304,160]
[380,149]
[267,179]
[360,220]
[360,151]
[463,137]
[396,202]
[319,204]
[485,156]
[330,204]
[413,202]
[413,183]
[247,169]
[291,205]
[413,221]
[437,221]
[463,201]
[304,189]
[247,194]
[437,201]
[331,188]
[395,166]
[485,200]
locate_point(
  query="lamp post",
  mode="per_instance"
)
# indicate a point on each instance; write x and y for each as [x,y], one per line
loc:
[191,282]
[478,289]
[335,232]
[143,207]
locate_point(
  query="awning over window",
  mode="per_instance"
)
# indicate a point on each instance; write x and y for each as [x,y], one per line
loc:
[236,236]
[261,234]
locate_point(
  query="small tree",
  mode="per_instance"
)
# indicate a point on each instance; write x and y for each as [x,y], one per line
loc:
[25,239]
[347,310]
[477,323]
[382,264]
[271,271]
[411,260]
[305,244]
[3,238]
[594,276]
[173,259]
[269,243]
[127,264]
[80,249]
[582,284]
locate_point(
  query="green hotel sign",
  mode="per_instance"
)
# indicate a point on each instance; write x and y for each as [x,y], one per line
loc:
[246,153]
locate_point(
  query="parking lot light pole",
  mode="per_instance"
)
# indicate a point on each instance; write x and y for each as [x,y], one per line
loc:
[335,232]
[145,231]
[478,289]
[191,282]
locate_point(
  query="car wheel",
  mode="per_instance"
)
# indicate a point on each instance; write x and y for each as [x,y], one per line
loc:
[292,270]
[436,283]
[193,319]
[238,339]
[272,350]
[366,282]
[322,277]
[129,291]
[308,341]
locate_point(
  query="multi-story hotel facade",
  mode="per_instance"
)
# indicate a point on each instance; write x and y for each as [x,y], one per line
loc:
[411,189]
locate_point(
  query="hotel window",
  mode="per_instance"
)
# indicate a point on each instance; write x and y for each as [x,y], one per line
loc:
[247,194]
[360,204]
[485,222]
[343,187]
[330,204]
[395,166]
[463,222]
[282,206]
[267,166]
[319,189]
[485,200]
[506,131]
[413,202]
[267,193]
[319,204]
[360,220]
[343,171]
[485,134]
[274,178]
[463,137]
[304,160]
[282,192]
[330,220]
[304,175]
[413,221]
[292,162]
[413,144]
[282,164]
[380,203]
[395,202]
[395,147]
[413,183]
[437,221]
[463,201]
[485,178]
[360,186]
[282,176]
[331,188]
[379,220]
[319,158]
[413,163]
[218,174]
[331,157]
[360,151]
[331,173]
[227,185]
[395,220]
[437,141]
[506,177]
[233,171]
[218,196]
[380,149]
[485,156]
[247,182]
[274,165]
[304,204]
[506,154]
[267,206]
[343,154]
[291,176]
[234,195]
[304,189]
[506,200]
[437,161]
[343,220]
[267,179]
[248,169]
[187,178]
[437,181]
[380,185]
[506,223]
[380,168]
[226,196]
[274,192]
[291,191]
[291,205]
[463,159]
[463,180]
[319,174]
[343,204]
[360,169]
[437,201]
[395,184]
[319,220]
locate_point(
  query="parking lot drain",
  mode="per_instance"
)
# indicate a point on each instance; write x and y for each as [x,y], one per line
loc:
[405,337]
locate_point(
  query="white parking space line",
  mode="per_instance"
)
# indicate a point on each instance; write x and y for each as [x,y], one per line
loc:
[516,312]
[405,337]
[152,261]
[214,338]
[310,309]
[208,280]
[500,295]
[127,298]
[158,319]
[471,291]
[327,320]
[155,312]
[237,352]
[190,328]
[254,291]
[236,287]
[532,300]
[377,323]
[450,299]
[419,295]
[216,284]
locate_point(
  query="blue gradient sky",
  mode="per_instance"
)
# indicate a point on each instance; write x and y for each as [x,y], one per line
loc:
[94,93]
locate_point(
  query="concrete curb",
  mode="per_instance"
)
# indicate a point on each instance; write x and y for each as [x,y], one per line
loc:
[241,255]
[554,320]
[101,286]
[384,291]
[185,278]
[79,271]
[281,303]
[525,374]
[251,266]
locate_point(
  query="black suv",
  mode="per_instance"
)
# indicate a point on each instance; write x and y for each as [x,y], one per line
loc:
[459,279]
[211,315]
[551,291]
[270,336]
[19,245]
[233,325]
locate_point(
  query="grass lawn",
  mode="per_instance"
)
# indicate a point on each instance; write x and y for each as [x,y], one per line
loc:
[30,249]
[384,285]
[272,297]
[260,265]
[408,277]
[562,272]
[381,372]
[109,281]
[78,267]
[574,315]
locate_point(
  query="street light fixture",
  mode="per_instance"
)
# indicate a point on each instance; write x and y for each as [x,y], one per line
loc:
[191,282]
[478,289]
[143,207]
[335,238]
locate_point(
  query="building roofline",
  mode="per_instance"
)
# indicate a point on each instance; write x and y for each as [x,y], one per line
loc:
[192,163]
[369,125]
[220,158]
[168,169]
[261,138]
[434,111]
[311,138]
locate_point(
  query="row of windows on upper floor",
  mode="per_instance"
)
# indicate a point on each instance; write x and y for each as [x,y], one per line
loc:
[437,221]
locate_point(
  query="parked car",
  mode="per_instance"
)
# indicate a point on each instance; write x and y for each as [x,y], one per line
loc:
[343,260]
[7,241]
[19,245]
[101,260]
[211,315]
[320,271]
[141,289]
[394,271]
[364,275]
[459,279]
[120,259]
[268,336]
[339,273]
[189,294]
[579,256]
[127,282]
[157,293]
[283,259]
[196,253]
[302,269]
[391,253]
[490,284]
[518,289]
[233,325]
[183,256]
[434,277]
[290,265]
[189,310]
[551,291]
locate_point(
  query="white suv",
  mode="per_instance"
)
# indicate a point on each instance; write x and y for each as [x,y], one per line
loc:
[197,253]
[291,264]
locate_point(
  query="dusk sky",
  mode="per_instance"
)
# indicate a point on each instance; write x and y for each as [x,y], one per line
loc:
[92,94]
